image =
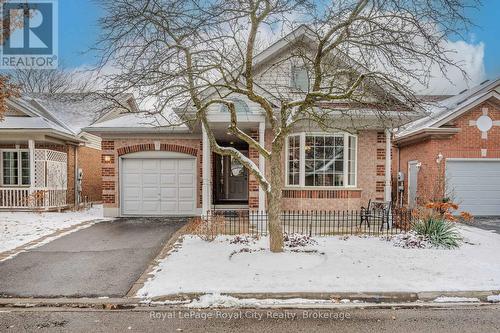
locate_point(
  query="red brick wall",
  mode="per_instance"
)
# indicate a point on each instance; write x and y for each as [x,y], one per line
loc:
[89,160]
[70,195]
[113,148]
[465,144]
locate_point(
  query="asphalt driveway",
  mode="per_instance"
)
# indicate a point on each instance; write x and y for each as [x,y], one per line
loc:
[102,260]
[491,223]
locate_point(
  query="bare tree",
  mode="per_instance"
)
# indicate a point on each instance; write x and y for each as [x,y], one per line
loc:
[363,53]
[50,81]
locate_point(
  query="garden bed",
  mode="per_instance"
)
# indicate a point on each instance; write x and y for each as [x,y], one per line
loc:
[326,264]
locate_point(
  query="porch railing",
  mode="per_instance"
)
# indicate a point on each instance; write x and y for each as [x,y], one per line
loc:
[26,198]
[312,223]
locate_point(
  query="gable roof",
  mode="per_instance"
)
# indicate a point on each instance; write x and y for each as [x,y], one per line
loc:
[441,112]
[63,114]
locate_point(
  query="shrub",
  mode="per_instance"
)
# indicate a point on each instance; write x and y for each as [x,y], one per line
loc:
[439,232]
[207,228]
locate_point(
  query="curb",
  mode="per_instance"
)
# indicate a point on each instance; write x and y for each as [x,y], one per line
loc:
[93,303]
[364,297]
[356,300]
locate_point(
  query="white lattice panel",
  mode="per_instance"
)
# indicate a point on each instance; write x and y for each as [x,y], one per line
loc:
[56,175]
[39,173]
[57,156]
[40,154]
[51,169]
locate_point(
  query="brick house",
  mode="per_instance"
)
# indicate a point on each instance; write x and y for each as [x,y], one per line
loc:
[47,161]
[150,169]
[454,152]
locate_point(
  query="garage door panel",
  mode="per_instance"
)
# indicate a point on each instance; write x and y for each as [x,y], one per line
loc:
[168,165]
[150,165]
[158,186]
[186,180]
[132,207]
[150,206]
[168,207]
[186,206]
[132,165]
[474,185]
[169,179]
[132,193]
[169,193]
[186,193]
[151,193]
[186,165]
[151,179]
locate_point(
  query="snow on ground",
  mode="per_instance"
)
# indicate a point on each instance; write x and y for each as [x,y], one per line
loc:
[217,300]
[358,264]
[494,298]
[448,299]
[18,228]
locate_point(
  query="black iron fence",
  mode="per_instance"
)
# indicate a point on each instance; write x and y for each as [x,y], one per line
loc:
[312,223]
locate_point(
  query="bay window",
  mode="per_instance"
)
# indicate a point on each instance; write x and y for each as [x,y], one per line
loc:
[15,167]
[321,160]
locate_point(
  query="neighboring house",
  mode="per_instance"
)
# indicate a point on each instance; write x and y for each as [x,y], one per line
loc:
[46,160]
[154,170]
[454,152]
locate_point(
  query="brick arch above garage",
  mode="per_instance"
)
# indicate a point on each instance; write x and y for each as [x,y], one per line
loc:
[163,147]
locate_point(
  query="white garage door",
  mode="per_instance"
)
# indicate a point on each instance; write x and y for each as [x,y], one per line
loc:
[164,186]
[474,185]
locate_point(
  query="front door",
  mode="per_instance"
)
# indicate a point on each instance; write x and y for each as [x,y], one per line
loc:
[231,180]
[237,180]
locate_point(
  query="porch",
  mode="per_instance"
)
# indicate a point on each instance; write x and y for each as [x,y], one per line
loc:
[226,183]
[32,175]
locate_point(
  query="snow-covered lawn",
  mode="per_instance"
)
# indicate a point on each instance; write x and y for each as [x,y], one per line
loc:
[332,265]
[18,228]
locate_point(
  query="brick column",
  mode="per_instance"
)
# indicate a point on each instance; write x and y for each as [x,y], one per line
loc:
[108,169]
[388,162]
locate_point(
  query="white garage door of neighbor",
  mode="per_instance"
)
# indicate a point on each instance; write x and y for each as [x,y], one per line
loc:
[474,185]
[165,186]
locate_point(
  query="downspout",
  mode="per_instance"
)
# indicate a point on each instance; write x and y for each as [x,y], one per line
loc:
[75,180]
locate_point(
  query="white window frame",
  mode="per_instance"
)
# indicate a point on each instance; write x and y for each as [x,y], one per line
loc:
[19,167]
[302,161]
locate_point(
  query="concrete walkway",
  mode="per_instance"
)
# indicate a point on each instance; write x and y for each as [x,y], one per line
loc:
[102,260]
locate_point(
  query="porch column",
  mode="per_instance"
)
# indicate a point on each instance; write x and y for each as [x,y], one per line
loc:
[388,162]
[205,191]
[31,151]
[262,166]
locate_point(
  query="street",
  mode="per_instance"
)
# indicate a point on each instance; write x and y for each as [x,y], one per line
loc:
[449,319]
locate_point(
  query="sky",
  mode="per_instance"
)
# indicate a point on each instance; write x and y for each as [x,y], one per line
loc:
[480,51]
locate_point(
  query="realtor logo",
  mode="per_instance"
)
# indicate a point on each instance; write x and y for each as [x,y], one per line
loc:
[29,34]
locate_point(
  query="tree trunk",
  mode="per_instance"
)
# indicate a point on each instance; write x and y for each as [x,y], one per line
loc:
[274,199]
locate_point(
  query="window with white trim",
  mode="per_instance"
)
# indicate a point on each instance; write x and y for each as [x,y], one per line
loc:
[293,160]
[239,105]
[321,160]
[299,78]
[15,167]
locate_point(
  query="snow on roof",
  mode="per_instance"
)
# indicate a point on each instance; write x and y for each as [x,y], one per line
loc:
[139,120]
[442,109]
[30,123]
[73,111]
